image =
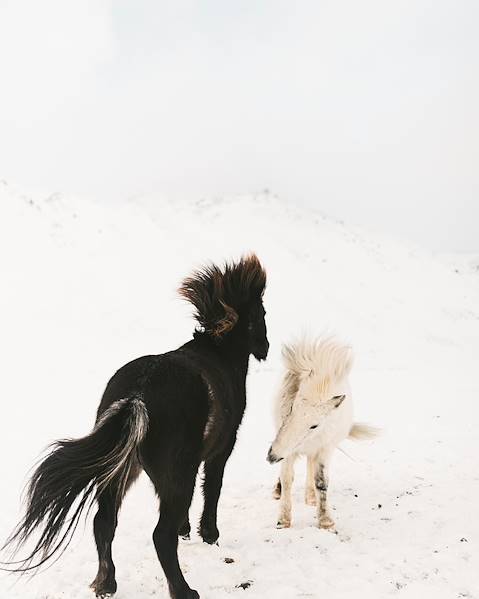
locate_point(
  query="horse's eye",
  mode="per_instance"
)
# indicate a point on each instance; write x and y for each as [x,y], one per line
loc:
[314,426]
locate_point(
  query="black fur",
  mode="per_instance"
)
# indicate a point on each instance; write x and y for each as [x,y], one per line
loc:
[74,467]
[165,414]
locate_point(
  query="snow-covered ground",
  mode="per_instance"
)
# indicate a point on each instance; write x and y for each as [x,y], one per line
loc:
[85,287]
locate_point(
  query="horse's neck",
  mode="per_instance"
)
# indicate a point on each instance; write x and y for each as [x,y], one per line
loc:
[286,396]
[234,353]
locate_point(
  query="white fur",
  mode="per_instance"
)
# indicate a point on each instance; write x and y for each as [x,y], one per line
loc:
[119,462]
[363,432]
[315,380]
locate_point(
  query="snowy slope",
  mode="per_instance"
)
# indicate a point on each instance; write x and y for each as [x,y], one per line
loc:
[88,286]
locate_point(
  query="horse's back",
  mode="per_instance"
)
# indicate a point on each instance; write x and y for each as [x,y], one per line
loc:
[163,382]
[127,381]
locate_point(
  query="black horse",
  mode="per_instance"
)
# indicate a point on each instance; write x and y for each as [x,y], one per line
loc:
[164,414]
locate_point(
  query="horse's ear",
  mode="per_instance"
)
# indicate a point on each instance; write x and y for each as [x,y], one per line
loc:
[225,324]
[337,400]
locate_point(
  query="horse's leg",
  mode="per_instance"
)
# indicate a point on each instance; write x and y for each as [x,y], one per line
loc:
[185,528]
[321,480]
[176,492]
[277,490]
[104,526]
[213,481]
[310,494]
[286,477]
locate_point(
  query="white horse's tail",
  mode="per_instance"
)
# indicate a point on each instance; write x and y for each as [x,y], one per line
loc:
[363,432]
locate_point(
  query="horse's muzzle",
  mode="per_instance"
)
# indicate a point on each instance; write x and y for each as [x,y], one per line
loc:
[261,351]
[272,457]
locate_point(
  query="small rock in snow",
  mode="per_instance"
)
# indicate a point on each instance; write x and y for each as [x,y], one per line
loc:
[244,585]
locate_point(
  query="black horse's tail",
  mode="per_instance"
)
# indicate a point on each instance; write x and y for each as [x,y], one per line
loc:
[72,475]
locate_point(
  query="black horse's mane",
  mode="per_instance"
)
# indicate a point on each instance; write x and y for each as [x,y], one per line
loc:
[219,294]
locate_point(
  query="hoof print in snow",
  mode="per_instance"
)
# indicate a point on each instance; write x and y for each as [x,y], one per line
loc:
[464,540]
[244,585]
[344,538]
[229,560]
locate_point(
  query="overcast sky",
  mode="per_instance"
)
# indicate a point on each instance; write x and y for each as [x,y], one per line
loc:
[365,109]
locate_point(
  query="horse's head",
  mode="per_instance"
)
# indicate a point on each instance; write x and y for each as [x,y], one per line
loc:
[229,304]
[257,335]
[306,420]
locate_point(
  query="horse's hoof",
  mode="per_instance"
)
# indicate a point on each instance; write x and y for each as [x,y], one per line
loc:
[209,535]
[211,541]
[327,523]
[184,530]
[104,588]
[283,524]
[188,594]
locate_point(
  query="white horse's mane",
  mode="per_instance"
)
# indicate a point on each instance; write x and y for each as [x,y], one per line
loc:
[318,362]
[322,361]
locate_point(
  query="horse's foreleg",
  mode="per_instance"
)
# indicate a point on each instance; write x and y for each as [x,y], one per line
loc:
[310,494]
[213,481]
[321,482]
[286,477]
[277,490]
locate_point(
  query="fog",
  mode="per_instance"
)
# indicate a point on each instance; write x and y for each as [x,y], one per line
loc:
[365,110]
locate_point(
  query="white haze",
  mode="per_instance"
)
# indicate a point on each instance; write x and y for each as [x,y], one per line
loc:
[366,110]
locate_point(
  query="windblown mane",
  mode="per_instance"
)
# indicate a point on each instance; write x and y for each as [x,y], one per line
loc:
[321,361]
[218,294]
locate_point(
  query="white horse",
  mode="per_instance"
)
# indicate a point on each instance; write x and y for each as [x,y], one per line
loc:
[314,413]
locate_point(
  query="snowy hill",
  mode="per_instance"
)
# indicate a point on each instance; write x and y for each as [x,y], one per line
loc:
[88,286]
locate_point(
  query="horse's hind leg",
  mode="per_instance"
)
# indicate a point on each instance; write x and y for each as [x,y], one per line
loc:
[175,499]
[104,526]
[309,494]
[185,528]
